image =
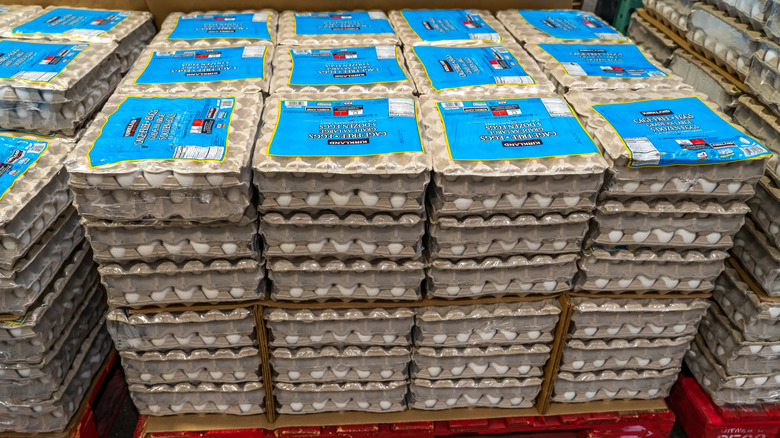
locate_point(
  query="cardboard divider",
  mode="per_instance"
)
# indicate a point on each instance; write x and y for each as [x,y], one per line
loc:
[747,277]
[556,353]
[265,364]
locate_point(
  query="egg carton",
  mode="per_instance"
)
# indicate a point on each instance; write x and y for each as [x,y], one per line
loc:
[309,398]
[763,76]
[496,362]
[360,63]
[771,27]
[652,41]
[346,236]
[12,14]
[525,322]
[330,279]
[296,328]
[288,30]
[761,123]
[462,22]
[621,354]
[25,282]
[500,235]
[259,18]
[759,257]
[765,207]
[723,39]
[673,13]
[201,398]
[463,393]
[611,385]
[130,48]
[348,364]
[515,275]
[725,389]
[657,238]
[705,80]
[752,12]
[177,366]
[756,319]
[189,330]
[477,57]
[570,26]
[736,355]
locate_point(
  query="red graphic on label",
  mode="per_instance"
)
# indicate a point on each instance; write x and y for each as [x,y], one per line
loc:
[197,122]
[499,113]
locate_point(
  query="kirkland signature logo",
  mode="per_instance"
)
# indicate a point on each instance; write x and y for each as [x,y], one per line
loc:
[661,112]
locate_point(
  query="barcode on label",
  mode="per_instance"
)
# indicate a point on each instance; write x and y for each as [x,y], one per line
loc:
[573,69]
[610,36]
[253,52]
[385,52]
[452,105]
[226,103]
[40,76]
[557,107]
[260,17]
[199,152]
[165,53]
[37,148]
[80,47]
[124,13]
[377,15]
[642,150]
[499,49]
[749,151]
[301,51]
[485,36]
[87,33]
[472,12]
[655,74]
[400,107]
[525,80]
[294,103]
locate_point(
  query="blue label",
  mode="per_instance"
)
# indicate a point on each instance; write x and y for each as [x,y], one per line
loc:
[347,23]
[684,130]
[222,26]
[454,67]
[605,60]
[81,23]
[513,129]
[346,128]
[449,25]
[35,62]
[347,66]
[18,154]
[204,65]
[163,128]
[569,24]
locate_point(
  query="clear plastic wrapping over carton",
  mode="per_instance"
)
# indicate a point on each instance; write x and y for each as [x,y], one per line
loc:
[190,398]
[409,37]
[200,40]
[13,14]
[759,257]
[674,12]
[755,318]
[346,364]
[460,393]
[494,361]
[583,355]
[652,41]
[765,207]
[752,12]
[308,398]
[288,32]
[559,20]
[706,80]
[761,123]
[228,365]
[609,385]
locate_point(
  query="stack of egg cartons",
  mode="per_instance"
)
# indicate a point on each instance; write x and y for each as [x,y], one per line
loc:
[651,40]
[674,13]
[13,14]
[52,340]
[706,80]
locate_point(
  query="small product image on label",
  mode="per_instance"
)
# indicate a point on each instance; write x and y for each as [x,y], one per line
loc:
[222,26]
[455,67]
[346,66]
[35,62]
[513,129]
[163,128]
[18,154]
[73,22]
[450,25]
[204,65]
[604,60]
[346,128]
[570,24]
[667,132]
[345,23]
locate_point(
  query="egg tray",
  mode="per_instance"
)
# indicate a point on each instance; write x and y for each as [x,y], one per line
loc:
[410,38]
[606,313]
[131,47]
[760,122]
[493,276]
[673,13]
[17,14]
[355,279]
[463,393]
[624,354]
[764,74]
[611,385]
[644,270]
[657,238]
[501,235]
[177,366]
[187,330]
[343,203]
[765,207]
[495,362]
[752,12]
[528,34]
[759,257]
[348,364]
[379,236]
[309,398]
[705,79]
[771,27]
[697,188]
[756,319]
[283,69]
[201,398]
[161,41]
[652,41]
[287,35]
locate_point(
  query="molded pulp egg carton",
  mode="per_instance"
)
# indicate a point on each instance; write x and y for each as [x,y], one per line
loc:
[706,80]
[765,208]
[13,14]
[348,364]
[652,41]
[562,20]
[612,385]
[515,275]
[496,33]
[202,398]
[343,236]
[674,13]
[178,241]
[723,39]
[757,320]
[309,398]
[761,123]
[512,85]
[177,366]
[727,389]
[295,328]
[330,279]
[759,257]
[764,75]
[630,318]
[221,39]
[166,189]
[772,25]
[620,354]
[26,281]
[462,393]
[494,361]
[164,283]
[281,83]
[54,413]
[188,330]
[525,322]
[388,183]
[752,12]
[500,235]
[288,35]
